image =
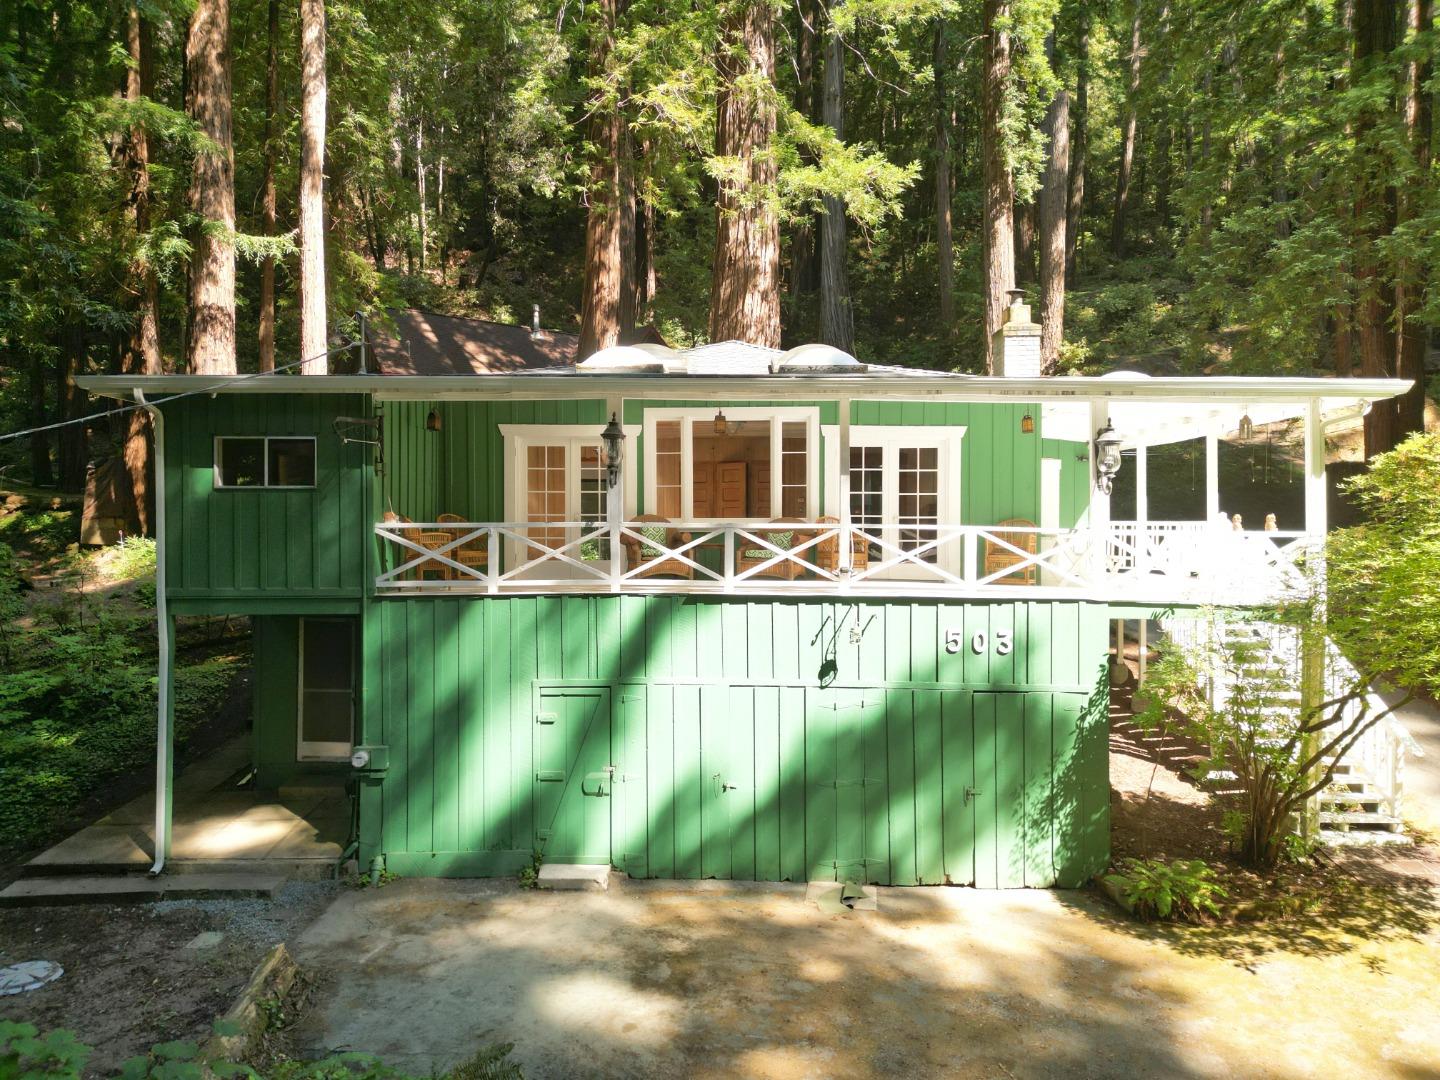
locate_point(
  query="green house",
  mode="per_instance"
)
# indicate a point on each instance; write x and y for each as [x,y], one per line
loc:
[723,612]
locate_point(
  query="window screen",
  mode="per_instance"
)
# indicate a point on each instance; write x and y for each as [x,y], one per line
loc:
[291,463]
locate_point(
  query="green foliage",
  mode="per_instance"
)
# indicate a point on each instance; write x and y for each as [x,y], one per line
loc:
[133,557]
[1155,889]
[529,876]
[25,1054]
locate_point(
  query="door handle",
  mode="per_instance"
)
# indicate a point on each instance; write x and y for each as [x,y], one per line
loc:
[970,793]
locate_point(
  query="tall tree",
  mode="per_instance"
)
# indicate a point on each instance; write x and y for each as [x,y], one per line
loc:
[1374,29]
[211,347]
[1081,142]
[142,352]
[998,196]
[267,185]
[1128,127]
[745,286]
[837,322]
[944,241]
[1054,197]
[1411,335]
[601,302]
[313,337]
[804,271]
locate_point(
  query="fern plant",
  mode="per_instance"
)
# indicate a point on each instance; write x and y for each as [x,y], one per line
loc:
[1155,889]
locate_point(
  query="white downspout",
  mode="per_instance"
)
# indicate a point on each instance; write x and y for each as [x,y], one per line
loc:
[163,739]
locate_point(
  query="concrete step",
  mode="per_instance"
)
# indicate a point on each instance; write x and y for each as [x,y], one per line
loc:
[1366,838]
[73,889]
[574,877]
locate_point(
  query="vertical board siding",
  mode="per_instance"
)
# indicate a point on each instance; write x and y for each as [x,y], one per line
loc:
[253,541]
[735,756]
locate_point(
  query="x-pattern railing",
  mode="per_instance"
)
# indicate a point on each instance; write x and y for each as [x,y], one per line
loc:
[1145,560]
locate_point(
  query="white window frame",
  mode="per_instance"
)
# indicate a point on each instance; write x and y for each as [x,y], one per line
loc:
[891,438]
[322,751]
[264,484]
[690,417]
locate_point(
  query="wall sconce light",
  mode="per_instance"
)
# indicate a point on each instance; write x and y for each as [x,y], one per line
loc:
[1247,427]
[1027,424]
[721,426]
[432,421]
[613,438]
[1107,458]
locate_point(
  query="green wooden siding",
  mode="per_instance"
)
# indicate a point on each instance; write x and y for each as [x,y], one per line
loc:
[1074,478]
[274,732]
[232,544]
[739,753]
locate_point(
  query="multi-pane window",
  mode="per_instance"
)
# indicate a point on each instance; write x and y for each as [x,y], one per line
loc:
[867,491]
[251,461]
[594,500]
[667,469]
[793,468]
[918,482]
[545,492]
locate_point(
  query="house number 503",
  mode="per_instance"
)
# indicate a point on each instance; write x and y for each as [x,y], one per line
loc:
[1002,644]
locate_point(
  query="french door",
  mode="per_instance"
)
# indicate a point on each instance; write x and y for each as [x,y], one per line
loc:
[560,479]
[902,487]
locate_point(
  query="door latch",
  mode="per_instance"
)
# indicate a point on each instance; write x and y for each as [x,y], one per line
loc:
[970,793]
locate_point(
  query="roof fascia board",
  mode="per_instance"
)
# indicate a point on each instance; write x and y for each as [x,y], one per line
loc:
[1202,389]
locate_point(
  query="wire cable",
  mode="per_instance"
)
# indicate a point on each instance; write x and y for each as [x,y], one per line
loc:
[231,381]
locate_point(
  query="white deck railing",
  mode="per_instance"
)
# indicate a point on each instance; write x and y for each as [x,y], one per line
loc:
[1153,562]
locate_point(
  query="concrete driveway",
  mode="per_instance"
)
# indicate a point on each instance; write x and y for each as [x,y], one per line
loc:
[704,979]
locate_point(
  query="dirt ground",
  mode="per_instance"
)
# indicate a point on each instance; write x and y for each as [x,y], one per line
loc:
[130,982]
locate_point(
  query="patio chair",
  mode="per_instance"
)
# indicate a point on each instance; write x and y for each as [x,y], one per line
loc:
[997,558]
[656,529]
[751,555]
[474,554]
[826,553]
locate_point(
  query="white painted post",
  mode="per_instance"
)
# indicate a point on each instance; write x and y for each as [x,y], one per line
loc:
[1313,641]
[1212,476]
[842,483]
[1144,644]
[615,506]
[1316,511]
[1099,501]
[1142,508]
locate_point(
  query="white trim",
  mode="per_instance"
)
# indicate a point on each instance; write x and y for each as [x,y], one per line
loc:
[776,415]
[264,484]
[322,751]
[891,438]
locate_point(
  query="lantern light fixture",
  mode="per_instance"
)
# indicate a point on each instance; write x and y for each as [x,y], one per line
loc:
[613,439]
[1107,458]
[432,421]
[1247,427]
[1027,424]
[721,425]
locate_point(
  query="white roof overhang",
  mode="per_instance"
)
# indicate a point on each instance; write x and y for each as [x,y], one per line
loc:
[1153,410]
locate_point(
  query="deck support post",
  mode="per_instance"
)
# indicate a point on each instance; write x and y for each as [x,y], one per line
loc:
[1212,477]
[1312,636]
[1142,508]
[847,541]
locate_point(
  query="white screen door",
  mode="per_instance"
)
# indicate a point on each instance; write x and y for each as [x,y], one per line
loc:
[327,689]
[562,480]
[901,488]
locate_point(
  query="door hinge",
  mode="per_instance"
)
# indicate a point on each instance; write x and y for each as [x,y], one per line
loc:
[550,774]
[545,718]
[860,781]
[970,793]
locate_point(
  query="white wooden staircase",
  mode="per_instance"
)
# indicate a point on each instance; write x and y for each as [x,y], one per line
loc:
[1363,804]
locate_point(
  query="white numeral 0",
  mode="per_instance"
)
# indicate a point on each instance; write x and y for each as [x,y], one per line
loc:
[978,642]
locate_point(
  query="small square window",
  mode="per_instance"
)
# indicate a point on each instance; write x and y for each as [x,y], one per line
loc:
[291,463]
[240,463]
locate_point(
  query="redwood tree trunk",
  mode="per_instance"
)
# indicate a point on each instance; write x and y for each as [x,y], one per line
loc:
[1081,143]
[1410,277]
[267,190]
[313,344]
[1127,139]
[211,347]
[837,322]
[1025,244]
[1053,197]
[944,238]
[600,300]
[999,185]
[142,353]
[804,272]
[745,288]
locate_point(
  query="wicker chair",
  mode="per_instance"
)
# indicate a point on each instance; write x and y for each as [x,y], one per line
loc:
[748,557]
[474,554]
[826,554]
[637,552]
[997,558]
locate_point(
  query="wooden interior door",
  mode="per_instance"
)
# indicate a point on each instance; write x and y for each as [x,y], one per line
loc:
[729,499]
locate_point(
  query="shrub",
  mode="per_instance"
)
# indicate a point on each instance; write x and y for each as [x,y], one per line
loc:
[1155,889]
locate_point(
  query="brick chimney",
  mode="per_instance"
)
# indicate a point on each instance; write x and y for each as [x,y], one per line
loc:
[1016,345]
